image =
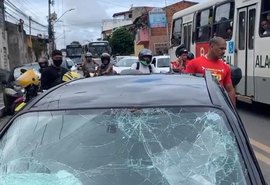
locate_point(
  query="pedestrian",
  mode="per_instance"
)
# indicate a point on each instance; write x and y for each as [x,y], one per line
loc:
[144,64]
[265,26]
[213,61]
[53,74]
[182,59]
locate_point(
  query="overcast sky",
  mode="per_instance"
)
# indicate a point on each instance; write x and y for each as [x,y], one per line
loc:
[84,23]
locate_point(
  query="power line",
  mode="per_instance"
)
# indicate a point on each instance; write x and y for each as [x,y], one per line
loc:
[26,6]
[16,9]
[15,18]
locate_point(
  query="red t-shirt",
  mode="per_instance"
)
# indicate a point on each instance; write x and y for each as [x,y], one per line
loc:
[218,68]
[176,65]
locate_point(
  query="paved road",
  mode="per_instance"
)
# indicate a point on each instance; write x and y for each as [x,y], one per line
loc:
[256,119]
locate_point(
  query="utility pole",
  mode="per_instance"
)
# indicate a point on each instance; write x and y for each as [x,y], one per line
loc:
[50,28]
[167,27]
[30,27]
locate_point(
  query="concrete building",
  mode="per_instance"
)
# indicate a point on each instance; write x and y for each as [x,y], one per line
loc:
[122,19]
[156,39]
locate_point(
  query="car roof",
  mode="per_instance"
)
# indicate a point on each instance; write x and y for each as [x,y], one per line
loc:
[162,56]
[127,91]
[129,57]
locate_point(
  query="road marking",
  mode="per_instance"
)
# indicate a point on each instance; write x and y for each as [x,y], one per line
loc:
[259,145]
[262,158]
[262,147]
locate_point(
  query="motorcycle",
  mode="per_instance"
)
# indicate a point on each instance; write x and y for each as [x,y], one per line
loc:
[11,98]
[26,88]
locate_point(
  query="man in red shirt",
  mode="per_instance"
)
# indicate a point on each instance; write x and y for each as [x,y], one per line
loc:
[213,61]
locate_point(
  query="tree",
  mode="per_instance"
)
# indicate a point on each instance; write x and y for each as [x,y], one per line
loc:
[122,42]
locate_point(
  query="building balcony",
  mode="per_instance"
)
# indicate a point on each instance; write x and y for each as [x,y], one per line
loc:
[142,36]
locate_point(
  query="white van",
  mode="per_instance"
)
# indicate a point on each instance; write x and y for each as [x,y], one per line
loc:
[162,63]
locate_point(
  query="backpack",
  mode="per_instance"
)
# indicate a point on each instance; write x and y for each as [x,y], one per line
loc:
[138,67]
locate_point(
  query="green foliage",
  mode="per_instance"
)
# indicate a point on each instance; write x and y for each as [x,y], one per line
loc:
[122,42]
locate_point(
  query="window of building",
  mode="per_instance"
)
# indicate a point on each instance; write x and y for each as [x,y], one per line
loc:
[204,20]
[223,22]
[265,19]
[177,32]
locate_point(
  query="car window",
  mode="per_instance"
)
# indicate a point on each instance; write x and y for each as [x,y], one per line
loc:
[126,62]
[123,146]
[163,62]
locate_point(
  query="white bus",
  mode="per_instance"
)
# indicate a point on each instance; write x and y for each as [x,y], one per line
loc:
[245,26]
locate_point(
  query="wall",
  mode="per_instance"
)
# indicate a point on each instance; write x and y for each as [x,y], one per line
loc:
[111,24]
[172,9]
[138,48]
[4,53]
[17,45]
[161,36]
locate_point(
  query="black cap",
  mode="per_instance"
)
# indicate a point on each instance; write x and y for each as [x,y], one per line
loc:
[182,51]
[56,52]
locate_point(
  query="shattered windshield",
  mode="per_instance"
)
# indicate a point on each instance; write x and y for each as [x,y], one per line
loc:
[148,146]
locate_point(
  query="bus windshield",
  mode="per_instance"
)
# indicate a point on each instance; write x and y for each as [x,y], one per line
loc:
[74,51]
[97,48]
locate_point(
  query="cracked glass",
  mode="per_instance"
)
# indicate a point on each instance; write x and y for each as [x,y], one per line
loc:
[137,146]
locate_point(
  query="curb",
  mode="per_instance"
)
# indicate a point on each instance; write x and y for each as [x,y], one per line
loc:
[2,111]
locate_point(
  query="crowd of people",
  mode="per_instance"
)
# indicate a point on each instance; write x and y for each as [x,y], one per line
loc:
[51,75]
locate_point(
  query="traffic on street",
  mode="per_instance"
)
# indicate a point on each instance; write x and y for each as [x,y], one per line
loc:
[163,92]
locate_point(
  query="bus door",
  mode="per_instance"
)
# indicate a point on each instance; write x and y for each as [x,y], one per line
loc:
[245,49]
[187,35]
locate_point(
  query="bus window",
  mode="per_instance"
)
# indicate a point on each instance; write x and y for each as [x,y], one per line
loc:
[223,22]
[187,35]
[265,19]
[252,14]
[242,30]
[177,32]
[204,25]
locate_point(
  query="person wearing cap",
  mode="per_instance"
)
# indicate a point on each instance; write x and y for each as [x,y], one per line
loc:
[180,63]
[53,74]
[89,65]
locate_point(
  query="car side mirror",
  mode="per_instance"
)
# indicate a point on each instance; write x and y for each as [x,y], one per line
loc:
[236,75]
